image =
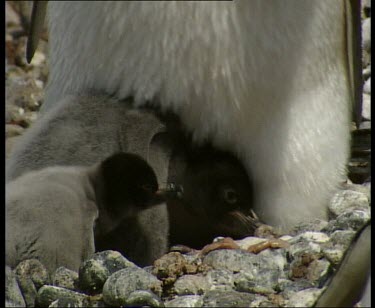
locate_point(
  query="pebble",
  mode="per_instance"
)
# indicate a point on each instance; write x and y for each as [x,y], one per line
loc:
[219,298]
[61,297]
[65,278]
[94,272]
[191,285]
[304,298]
[366,106]
[122,283]
[185,301]
[13,295]
[31,276]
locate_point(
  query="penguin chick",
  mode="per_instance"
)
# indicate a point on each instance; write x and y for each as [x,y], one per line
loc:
[51,213]
[124,184]
[85,129]
[216,199]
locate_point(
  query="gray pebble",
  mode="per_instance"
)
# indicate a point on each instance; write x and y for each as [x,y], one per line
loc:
[343,237]
[143,298]
[65,278]
[13,295]
[304,298]
[239,260]
[366,34]
[94,272]
[218,298]
[316,225]
[60,297]
[31,276]
[220,279]
[366,106]
[289,287]
[367,86]
[185,301]
[121,284]
[264,283]
[349,220]
[191,285]
[347,199]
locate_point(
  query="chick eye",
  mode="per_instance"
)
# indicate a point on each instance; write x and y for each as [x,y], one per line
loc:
[230,195]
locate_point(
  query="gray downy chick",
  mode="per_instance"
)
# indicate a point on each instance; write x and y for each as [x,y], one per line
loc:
[83,130]
[53,213]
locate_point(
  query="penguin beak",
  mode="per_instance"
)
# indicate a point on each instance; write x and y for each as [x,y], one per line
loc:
[170,192]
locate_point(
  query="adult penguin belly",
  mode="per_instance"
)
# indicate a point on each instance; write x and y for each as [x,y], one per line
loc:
[268,81]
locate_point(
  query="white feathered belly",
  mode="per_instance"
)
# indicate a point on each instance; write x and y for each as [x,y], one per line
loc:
[264,79]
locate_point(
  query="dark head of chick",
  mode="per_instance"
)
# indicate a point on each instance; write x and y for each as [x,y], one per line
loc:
[216,200]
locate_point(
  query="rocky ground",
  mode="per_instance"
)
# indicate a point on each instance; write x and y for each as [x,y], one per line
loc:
[292,273]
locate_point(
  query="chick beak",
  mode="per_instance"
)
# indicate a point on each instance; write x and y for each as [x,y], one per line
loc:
[170,192]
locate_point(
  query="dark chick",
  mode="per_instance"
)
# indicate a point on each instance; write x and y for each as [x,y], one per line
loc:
[216,200]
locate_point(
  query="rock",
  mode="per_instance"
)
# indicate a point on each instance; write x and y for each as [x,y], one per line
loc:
[65,278]
[191,285]
[219,298]
[314,237]
[366,106]
[13,295]
[342,237]
[220,279]
[142,298]
[122,283]
[347,199]
[264,283]
[31,276]
[315,226]
[185,301]
[366,34]
[349,220]
[304,298]
[60,297]
[367,86]
[94,272]
[238,260]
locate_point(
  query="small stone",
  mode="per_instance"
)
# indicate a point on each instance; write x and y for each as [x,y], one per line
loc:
[170,266]
[315,237]
[31,276]
[60,297]
[347,199]
[367,86]
[304,298]
[94,272]
[220,279]
[238,260]
[141,298]
[264,283]
[191,285]
[366,34]
[349,220]
[13,295]
[65,278]
[333,255]
[343,237]
[185,301]
[315,226]
[218,298]
[366,106]
[122,283]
